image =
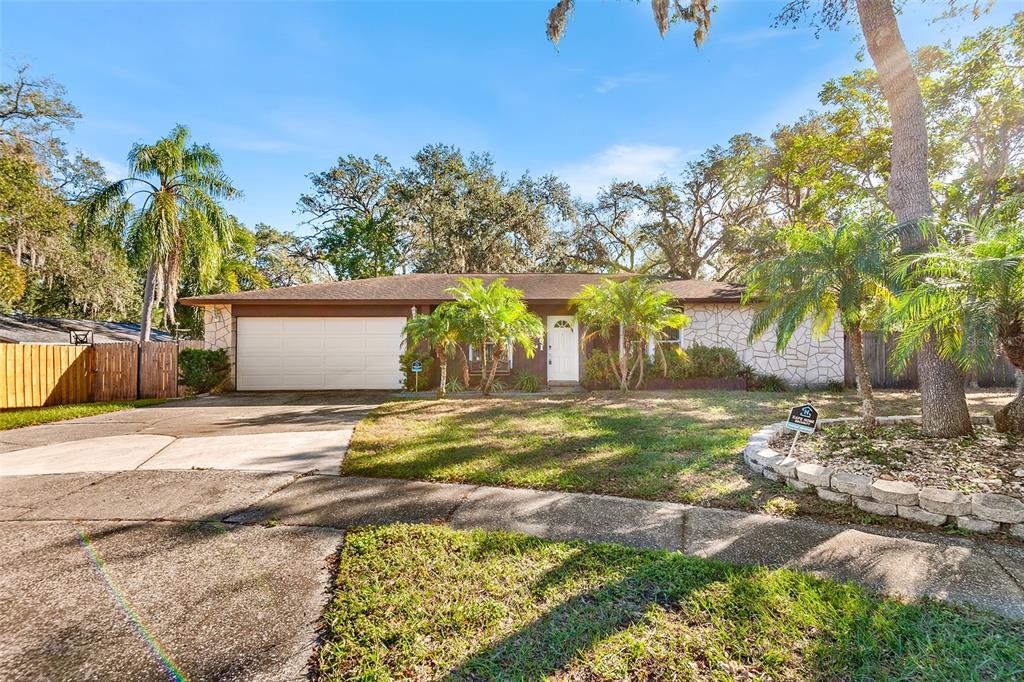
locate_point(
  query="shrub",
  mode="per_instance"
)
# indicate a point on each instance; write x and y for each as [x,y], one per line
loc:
[454,386]
[498,386]
[835,386]
[203,370]
[426,376]
[527,382]
[770,383]
[713,362]
[597,369]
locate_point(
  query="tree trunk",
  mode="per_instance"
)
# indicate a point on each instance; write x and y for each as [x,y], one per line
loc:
[442,388]
[867,395]
[146,325]
[1010,417]
[943,402]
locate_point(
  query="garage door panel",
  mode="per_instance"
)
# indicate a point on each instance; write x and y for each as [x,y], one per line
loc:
[319,353]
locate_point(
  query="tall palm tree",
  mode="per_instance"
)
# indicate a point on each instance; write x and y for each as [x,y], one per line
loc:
[494,319]
[969,298]
[168,211]
[943,402]
[441,330]
[826,272]
[629,312]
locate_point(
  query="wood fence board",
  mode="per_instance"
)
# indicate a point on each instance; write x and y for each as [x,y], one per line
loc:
[878,350]
[32,375]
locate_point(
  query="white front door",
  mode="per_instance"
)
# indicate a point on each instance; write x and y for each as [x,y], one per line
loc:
[563,349]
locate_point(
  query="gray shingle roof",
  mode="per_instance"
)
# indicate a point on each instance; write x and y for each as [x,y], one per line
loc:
[18,328]
[431,288]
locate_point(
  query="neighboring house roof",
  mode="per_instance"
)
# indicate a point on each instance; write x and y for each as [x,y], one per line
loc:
[18,328]
[432,288]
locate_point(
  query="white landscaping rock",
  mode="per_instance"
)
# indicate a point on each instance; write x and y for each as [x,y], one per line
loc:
[1017,530]
[920,515]
[771,475]
[766,457]
[786,467]
[869,505]
[833,496]
[814,474]
[942,501]
[854,484]
[999,508]
[894,492]
[976,525]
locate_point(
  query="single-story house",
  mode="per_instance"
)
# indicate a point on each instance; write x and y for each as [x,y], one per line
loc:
[18,328]
[348,334]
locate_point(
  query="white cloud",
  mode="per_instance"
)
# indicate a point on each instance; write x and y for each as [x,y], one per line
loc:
[113,170]
[614,82]
[639,162]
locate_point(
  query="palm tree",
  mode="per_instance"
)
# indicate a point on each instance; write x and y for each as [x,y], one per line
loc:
[168,212]
[441,330]
[943,402]
[494,319]
[969,298]
[825,272]
[629,311]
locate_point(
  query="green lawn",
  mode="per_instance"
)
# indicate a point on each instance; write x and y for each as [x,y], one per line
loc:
[682,446]
[426,602]
[30,416]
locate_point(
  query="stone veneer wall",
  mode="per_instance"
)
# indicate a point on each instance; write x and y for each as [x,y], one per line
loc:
[979,512]
[219,332]
[807,360]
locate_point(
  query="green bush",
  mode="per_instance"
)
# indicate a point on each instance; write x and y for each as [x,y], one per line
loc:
[454,386]
[835,386]
[527,382]
[713,362]
[597,369]
[770,383]
[426,380]
[203,370]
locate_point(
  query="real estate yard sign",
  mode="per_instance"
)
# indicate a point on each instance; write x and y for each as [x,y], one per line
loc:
[802,419]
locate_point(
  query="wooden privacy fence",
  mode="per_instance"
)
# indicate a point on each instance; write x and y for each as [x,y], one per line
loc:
[33,375]
[878,350]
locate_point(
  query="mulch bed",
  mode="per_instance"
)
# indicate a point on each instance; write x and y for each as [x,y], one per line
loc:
[990,462]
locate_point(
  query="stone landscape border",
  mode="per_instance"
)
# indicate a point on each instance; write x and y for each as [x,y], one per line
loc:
[979,512]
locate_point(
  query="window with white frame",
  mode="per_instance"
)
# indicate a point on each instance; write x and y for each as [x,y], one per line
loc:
[474,352]
[670,336]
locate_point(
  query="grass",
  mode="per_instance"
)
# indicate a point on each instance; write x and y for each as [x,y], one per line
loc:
[427,602]
[682,446]
[15,419]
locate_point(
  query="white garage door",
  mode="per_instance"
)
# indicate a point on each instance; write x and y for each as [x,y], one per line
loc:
[312,353]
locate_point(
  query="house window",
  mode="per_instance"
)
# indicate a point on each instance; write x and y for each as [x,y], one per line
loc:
[474,353]
[670,336]
[563,324]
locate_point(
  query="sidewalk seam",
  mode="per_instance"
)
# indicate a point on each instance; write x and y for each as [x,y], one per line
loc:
[174,439]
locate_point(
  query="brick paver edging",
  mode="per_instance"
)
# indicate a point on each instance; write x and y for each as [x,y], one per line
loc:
[980,512]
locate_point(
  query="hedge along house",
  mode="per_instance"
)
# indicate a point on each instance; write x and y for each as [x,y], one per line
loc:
[348,334]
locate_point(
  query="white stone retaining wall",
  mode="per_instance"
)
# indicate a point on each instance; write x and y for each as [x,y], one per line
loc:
[807,361]
[980,512]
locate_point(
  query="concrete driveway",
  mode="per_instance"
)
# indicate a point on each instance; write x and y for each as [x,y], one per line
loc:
[242,431]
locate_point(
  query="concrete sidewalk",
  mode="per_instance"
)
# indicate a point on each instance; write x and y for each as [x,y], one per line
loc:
[225,572]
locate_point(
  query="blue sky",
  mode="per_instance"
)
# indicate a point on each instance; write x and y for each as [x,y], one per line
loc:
[283,89]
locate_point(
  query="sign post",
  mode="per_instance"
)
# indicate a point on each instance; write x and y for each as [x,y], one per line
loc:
[802,419]
[416,368]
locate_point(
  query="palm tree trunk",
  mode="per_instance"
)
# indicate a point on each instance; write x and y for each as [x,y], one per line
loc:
[1010,417]
[867,395]
[442,360]
[943,402]
[146,325]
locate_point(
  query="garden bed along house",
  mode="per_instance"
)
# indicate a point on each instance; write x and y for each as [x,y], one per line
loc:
[976,482]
